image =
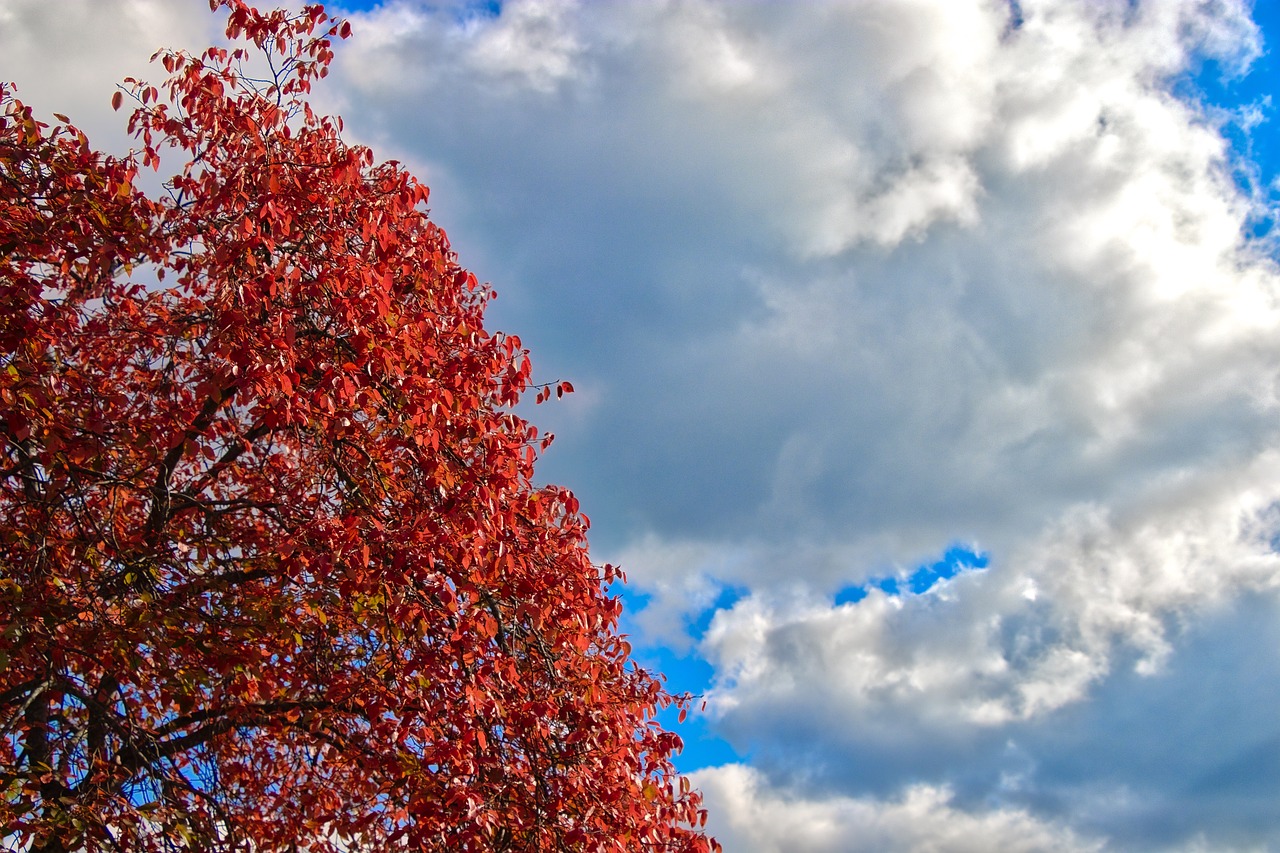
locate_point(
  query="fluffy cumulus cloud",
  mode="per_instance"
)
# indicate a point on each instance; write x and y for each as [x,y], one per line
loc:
[844,284]
[755,816]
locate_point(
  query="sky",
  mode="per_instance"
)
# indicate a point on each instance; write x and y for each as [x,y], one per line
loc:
[927,357]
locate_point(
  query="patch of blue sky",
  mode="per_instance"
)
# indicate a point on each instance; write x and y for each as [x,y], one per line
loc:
[685,673]
[1243,106]
[729,596]
[1016,17]
[463,11]
[954,561]
[634,601]
[703,746]
[488,8]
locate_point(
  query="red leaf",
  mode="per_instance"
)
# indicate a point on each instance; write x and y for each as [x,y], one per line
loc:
[285,526]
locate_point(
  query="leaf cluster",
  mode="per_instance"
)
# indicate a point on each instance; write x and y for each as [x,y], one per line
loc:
[274,574]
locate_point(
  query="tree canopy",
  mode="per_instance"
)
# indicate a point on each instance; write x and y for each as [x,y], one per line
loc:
[274,573]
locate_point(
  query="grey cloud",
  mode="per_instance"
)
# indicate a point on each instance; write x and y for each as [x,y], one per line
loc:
[843,300]
[753,817]
[68,56]
[927,383]
[1182,758]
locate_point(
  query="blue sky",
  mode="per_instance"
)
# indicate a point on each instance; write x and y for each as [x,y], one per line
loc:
[928,370]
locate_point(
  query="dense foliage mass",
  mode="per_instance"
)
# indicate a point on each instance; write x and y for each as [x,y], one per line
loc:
[273,574]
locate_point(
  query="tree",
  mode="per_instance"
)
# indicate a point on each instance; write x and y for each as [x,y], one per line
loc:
[273,572]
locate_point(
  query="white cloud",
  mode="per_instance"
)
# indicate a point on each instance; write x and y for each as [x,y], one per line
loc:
[529,43]
[751,816]
[977,650]
[426,49]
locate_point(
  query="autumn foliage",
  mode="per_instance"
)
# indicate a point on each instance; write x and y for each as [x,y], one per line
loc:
[273,572]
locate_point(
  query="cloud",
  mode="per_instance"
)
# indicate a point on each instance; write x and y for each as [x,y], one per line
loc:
[68,57]
[751,817]
[529,46]
[991,365]
[1023,638]
[1179,759]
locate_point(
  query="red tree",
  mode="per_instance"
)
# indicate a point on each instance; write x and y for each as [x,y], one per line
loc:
[273,574]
